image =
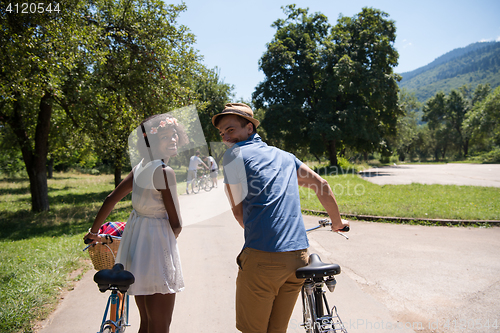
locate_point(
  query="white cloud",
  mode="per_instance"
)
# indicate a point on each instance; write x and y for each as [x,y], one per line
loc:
[490,40]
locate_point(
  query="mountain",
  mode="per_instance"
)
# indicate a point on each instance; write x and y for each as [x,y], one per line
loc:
[477,63]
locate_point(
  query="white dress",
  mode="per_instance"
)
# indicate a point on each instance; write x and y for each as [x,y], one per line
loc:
[148,248]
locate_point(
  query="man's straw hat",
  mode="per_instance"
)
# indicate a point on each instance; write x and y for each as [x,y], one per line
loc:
[238,109]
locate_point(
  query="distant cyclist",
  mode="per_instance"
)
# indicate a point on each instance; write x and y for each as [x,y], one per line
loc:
[213,167]
[194,161]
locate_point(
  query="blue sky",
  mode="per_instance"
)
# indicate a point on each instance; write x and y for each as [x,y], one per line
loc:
[232,35]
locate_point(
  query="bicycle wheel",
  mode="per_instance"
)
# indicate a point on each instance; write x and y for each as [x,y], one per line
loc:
[206,184]
[308,312]
[107,329]
[196,186]
[123,321]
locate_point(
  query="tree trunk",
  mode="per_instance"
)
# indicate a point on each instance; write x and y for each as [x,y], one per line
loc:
[50,168]
[118,175]
[466,148]
[332,152]
[39,189]
[35,161]
[40,194]
[118,166]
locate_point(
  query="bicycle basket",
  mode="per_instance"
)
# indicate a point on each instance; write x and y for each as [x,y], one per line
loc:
[103,255]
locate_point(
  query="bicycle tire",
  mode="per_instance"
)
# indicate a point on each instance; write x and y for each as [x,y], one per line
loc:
[206,184]
[107,329]
[196,186]
[308,320]
[123,322]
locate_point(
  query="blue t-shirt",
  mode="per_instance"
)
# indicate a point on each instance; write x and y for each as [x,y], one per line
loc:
[270,193]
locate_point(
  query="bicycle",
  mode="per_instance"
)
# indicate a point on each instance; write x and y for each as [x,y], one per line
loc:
[117,280]
[317,274]
[203,182]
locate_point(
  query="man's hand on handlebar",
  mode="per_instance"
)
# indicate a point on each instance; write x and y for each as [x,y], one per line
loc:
[340,225]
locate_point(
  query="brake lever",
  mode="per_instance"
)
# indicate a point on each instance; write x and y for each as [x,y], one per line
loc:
[344,229]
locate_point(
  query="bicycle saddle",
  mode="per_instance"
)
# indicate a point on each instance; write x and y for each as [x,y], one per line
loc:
[317,268]
[116,277]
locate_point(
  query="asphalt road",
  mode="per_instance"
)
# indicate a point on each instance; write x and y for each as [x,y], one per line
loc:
[445,174]
[395,278]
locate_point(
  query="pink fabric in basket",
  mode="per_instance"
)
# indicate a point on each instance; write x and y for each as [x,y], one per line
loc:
[112,228]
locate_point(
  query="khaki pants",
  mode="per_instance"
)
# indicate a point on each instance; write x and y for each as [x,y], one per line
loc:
[267,289]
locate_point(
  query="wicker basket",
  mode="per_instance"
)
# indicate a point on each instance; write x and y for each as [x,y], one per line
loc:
[103,254]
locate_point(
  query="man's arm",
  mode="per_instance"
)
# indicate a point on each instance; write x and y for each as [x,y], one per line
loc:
[310,179]
[201,162]
[233,193]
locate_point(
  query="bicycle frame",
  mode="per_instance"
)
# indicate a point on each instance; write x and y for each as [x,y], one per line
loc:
[203,181]
[314,304]
[317,316]
[118,309]
[117,280]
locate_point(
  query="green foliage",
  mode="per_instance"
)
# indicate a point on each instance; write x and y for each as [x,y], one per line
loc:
[74,83]
[144,65]
[483,124]
[475,64]
[446,116]
[405,142]
[329,87]
[212,94]
[37,52]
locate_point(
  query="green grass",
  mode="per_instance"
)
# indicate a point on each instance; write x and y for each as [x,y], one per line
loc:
[33,272]
[39,251]
[358,196]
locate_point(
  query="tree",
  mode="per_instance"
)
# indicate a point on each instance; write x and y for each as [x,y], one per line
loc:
[483,122]
[361,87]
[292,66]
[448,113]
[328,87]
[212,94]
[442,135]
[37,51]
[146,66]
[404,143]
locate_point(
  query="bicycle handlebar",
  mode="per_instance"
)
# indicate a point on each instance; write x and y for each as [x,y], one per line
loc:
[88,241]
[325,222]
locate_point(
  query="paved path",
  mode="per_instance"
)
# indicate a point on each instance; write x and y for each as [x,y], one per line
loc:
[446,174]
[394,278]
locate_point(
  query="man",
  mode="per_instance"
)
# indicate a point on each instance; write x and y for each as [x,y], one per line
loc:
[261,183]
[194,161]
[214,169]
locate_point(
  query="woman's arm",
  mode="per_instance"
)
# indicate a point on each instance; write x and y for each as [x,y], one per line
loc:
[165,181]
[124,188]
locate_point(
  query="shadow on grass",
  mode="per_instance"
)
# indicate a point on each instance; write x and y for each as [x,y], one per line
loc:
[79,199]
[69,214]
[25,224]
[15,191]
